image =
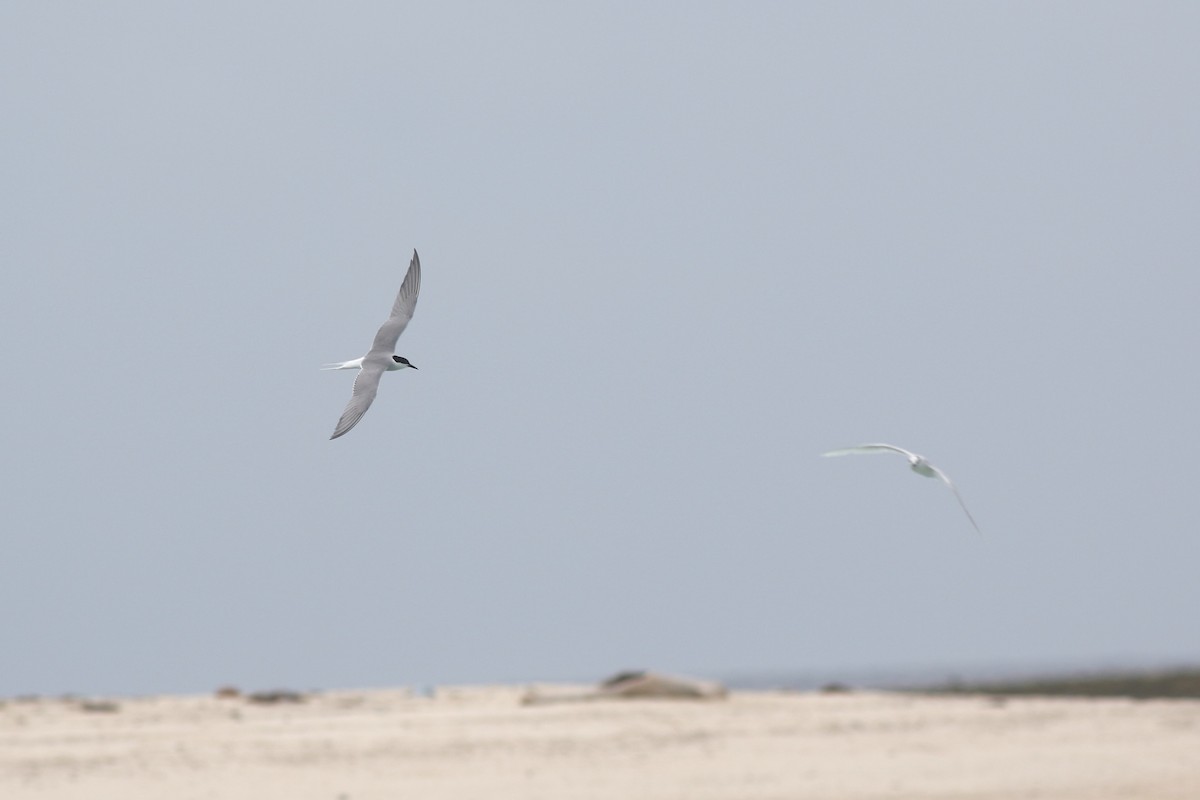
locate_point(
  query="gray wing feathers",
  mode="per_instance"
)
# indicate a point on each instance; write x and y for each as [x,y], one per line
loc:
[366,384]
[946,480]
[402,310]
[863,449]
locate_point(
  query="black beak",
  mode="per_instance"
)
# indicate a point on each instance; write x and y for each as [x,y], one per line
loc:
[414,366]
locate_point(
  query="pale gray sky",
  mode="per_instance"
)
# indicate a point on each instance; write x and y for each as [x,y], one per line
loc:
[672,252]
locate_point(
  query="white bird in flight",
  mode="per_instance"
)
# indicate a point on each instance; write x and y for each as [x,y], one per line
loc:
[918,463]
[381,357]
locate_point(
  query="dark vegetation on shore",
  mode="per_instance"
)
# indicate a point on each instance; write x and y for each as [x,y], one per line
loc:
[1173,683]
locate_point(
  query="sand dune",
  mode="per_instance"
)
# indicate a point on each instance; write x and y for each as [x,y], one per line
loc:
[483,743]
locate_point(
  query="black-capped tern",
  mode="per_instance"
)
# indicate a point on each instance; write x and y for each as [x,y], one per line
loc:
[918,463]
[381,357]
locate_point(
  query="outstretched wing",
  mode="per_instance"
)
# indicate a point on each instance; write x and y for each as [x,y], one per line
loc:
[366,384]
[864,449]
[946,480]
[402,310]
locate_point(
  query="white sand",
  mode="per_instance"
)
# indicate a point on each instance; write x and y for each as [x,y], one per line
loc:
[482,743]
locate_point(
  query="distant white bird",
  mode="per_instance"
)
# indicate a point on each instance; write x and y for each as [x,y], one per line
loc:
[381,357]
[918,463]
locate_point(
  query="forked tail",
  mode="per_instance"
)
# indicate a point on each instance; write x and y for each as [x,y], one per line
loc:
[355,363]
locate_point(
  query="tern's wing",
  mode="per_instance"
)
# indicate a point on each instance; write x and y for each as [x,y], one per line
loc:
[402,310]
[946,480]
[366,383]
[870,448]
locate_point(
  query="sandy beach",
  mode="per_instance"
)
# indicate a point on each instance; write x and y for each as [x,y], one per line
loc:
[484,743]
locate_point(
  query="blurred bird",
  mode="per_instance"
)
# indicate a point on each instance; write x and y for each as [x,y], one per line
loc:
[381,357]
[918,463]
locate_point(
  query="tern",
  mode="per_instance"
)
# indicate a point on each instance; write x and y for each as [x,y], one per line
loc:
[382,356]
[918,463]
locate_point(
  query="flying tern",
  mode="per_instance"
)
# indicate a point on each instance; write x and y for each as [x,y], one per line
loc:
[381,357]
[918,463]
